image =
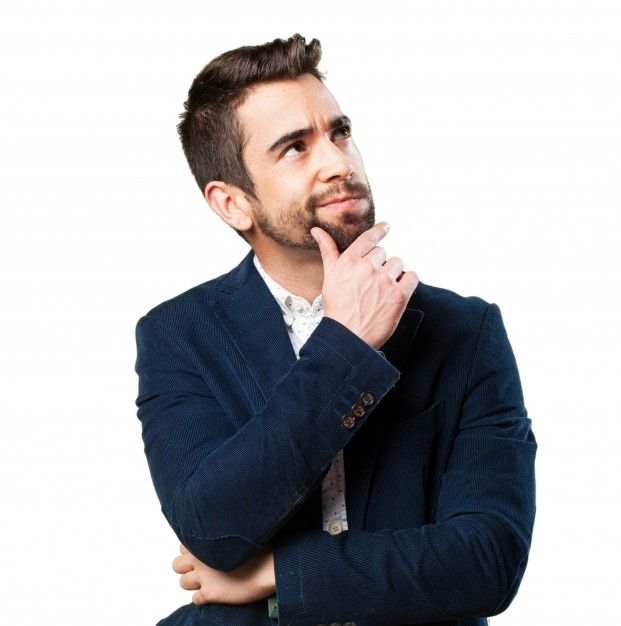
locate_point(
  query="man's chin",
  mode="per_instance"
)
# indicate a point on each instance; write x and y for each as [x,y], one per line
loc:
[345,234]
[347,229]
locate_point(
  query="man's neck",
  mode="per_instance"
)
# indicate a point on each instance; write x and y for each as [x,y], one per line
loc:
[298,271]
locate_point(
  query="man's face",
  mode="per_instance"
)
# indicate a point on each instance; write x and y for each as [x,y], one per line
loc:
[294,177]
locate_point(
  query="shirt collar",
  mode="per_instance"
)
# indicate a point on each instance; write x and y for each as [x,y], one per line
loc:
[290,304]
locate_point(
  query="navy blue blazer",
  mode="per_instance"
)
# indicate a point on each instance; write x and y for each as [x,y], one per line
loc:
[239,434]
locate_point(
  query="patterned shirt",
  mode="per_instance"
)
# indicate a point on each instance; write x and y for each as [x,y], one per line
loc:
[301,319]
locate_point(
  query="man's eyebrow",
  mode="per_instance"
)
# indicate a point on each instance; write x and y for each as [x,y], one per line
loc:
[336,122]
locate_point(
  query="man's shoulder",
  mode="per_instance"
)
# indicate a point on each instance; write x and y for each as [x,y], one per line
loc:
[200,297]
[204,293]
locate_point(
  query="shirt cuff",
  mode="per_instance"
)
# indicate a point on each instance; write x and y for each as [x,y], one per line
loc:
[272,607]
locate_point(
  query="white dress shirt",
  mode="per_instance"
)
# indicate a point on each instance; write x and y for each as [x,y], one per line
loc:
[301,319]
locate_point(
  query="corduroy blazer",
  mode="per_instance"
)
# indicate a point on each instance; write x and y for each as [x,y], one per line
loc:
[439,464]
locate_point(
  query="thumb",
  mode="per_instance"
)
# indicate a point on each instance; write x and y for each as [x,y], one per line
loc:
[327,247]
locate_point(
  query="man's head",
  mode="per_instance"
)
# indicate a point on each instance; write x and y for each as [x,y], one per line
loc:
[268,144]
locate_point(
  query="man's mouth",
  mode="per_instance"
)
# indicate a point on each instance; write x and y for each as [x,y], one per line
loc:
[340,203]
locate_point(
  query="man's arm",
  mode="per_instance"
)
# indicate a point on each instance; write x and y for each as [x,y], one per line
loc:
[471,560]
[252,581]
[226,492]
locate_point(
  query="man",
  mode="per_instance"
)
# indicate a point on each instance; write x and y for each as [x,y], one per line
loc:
[332,441]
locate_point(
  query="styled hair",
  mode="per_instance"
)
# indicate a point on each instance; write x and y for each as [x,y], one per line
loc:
[211,134]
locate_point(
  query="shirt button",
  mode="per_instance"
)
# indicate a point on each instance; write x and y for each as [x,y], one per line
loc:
[335,528]
[367,398]
[349,421]
[358,410]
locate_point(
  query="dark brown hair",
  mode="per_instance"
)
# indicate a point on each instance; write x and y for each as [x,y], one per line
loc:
[211,135]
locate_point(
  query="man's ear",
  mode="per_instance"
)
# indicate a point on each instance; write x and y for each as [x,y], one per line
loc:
[230,203]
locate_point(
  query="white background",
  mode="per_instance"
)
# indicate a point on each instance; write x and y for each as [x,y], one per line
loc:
[491,138]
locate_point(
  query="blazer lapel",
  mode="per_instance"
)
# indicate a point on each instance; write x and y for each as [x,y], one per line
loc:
[249,311]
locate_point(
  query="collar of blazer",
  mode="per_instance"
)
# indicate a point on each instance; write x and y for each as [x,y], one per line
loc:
[249,312]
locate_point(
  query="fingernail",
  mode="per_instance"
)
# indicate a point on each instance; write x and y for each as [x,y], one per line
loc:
[386,226]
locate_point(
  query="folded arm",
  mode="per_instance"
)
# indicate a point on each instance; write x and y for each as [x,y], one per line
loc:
[226,491]
[471,560]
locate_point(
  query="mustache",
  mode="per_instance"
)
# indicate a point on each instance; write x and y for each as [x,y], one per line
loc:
[345,188]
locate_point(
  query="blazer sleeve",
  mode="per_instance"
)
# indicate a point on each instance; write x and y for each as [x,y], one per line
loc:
[471,560]
[227,490]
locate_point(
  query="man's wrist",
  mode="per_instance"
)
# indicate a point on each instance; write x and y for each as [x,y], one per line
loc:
[267,580]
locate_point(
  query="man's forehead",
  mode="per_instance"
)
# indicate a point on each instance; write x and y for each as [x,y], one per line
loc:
[273,109]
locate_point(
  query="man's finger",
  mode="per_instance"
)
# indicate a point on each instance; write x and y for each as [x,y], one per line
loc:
[368,240]
[377,256]
[189,581]
[182,548]
[198,598]
[327,247]
[393,267]
[181,564]
[408,283]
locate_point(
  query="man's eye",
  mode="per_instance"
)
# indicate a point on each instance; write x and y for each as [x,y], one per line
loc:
[344,130]
[296,145]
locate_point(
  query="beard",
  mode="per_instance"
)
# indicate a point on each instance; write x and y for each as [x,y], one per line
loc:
[292,228]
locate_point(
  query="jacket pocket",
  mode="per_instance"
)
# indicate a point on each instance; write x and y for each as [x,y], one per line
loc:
[399,488]
[425,422]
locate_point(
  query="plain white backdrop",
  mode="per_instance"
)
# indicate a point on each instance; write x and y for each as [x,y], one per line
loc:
[490,132]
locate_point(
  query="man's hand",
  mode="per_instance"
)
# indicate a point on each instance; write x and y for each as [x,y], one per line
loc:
[249,582]
[362,290]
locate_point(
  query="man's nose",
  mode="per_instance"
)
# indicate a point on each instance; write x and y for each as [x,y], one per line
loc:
[333,162]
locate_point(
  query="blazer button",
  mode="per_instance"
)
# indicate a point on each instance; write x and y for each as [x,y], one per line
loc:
[349,421]
[367,398]
[358,410]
